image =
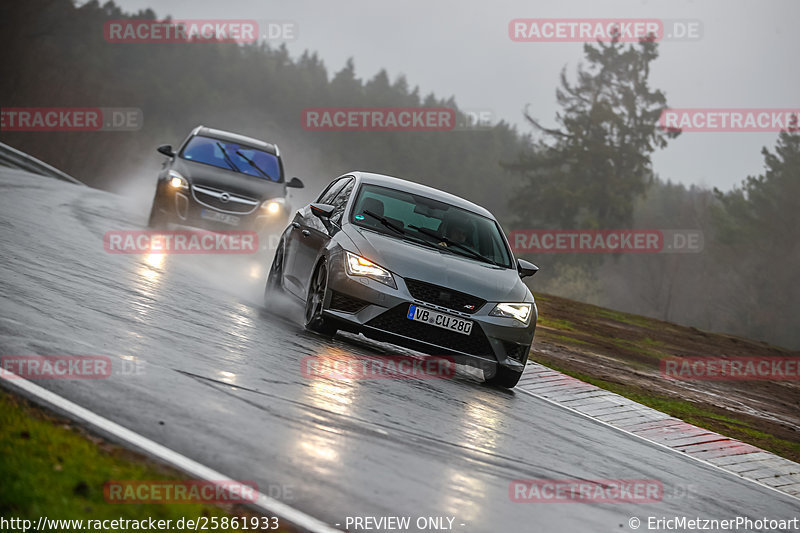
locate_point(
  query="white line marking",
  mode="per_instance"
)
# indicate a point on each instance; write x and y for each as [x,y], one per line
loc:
[267,505]
[688,456]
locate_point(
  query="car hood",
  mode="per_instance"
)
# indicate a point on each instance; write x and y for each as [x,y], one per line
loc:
[409,260]
[227,180]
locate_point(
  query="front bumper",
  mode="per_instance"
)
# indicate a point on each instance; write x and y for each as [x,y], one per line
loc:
[181,206]
[363,305]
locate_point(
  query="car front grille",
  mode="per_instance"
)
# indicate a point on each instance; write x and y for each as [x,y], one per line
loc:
[444,297]
[224,201]
[346,304]
[395,321]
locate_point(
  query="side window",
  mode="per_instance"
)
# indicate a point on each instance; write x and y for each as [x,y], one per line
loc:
[330,192]
[341,201]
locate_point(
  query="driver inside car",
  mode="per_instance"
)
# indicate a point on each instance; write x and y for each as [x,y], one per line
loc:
[457,231]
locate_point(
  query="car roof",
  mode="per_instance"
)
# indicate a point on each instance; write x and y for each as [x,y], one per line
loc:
[423,190]
[235,137]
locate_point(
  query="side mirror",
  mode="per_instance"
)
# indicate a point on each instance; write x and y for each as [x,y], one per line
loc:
[323,211]
[166,149]
[295,183]
[526,269]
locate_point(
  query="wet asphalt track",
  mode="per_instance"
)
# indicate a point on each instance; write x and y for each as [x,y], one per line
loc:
[220,382]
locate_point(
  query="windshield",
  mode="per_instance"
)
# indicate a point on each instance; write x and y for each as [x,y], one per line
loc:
[233,156]
[449,227]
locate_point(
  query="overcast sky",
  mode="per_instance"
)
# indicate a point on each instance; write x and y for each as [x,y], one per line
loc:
[746,58]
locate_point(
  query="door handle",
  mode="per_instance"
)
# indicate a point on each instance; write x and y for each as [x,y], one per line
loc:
[305,233]
[295,225]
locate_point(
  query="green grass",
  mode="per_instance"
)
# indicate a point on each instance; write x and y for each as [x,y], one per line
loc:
[555,323]
[51,469]
[624,318]
[651,342]
[689,412]
[547,335]
[638,348]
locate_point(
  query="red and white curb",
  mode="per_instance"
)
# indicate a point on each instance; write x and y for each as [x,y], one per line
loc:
[725,453]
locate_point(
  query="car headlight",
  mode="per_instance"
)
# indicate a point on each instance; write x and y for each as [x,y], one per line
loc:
[359,266]
[177,181]
[273,206]
[521,311]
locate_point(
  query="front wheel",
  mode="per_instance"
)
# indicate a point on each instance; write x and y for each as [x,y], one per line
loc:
[315,302]
[504,377]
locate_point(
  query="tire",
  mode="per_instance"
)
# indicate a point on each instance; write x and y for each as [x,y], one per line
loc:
[157,219]
[274,285]
[315,301]
[505,378]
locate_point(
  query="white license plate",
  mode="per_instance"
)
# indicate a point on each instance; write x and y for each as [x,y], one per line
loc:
[442,320]
[219,217]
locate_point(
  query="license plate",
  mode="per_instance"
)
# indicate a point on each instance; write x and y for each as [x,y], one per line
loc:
[219,217]
[442,320]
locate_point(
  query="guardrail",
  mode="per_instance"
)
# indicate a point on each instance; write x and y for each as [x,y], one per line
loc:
[12,157]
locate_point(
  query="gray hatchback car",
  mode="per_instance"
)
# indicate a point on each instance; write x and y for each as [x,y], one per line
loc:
[411,265]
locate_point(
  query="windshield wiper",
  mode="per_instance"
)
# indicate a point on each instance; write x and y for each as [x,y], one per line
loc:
[385,222]
[228,158]
[399,230]
[450,242]
[253,164]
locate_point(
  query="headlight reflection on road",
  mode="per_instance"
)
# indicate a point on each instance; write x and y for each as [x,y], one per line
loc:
[464,490]
[151,268]
[324,443]
[227,377]
[148,277]
[332,396]
[154,260]
[239,325]
[482,426]
[464,495]
[144,284]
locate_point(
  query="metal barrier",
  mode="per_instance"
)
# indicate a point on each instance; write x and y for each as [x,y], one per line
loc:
[14,158]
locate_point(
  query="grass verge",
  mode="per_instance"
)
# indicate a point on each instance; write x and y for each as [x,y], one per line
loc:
[55,469]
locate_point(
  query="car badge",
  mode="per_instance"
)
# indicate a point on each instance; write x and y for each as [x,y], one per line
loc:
[224,197]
